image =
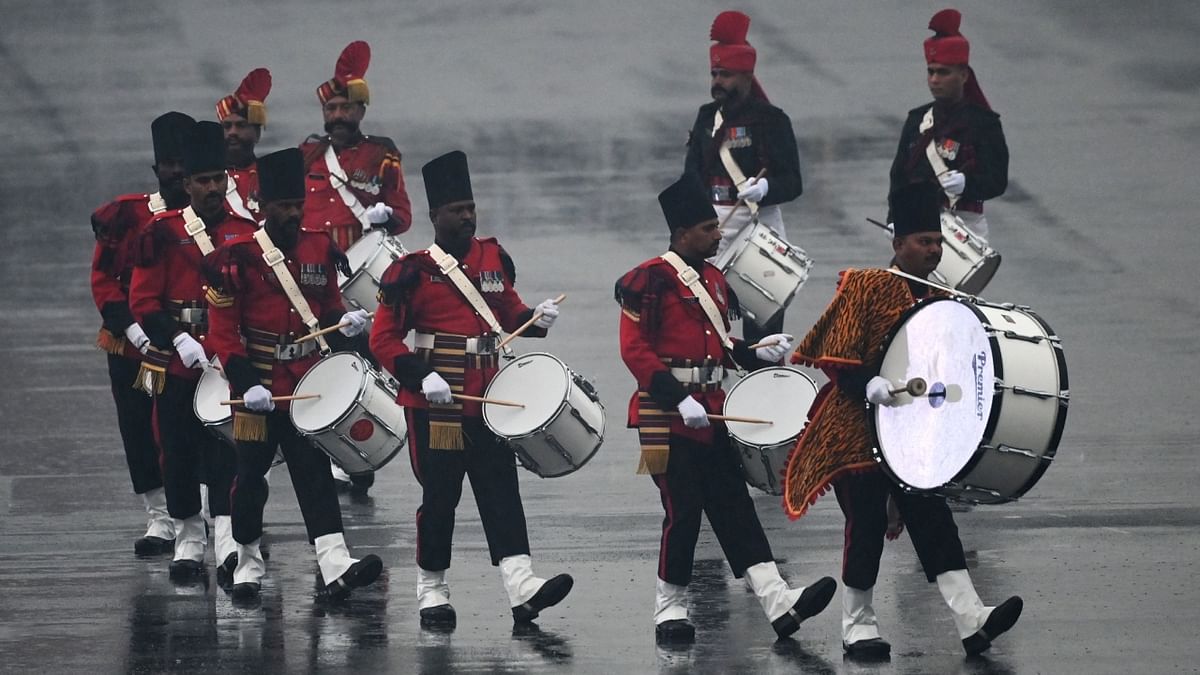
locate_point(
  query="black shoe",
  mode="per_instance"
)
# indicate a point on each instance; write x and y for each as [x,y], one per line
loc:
[1000,620]
[361,482]
[152,546]
[675,632]
[872,649]
[360,574]
[185,570]
[225,571]
[551,593]
[246,592]
[441,617]
[814,599]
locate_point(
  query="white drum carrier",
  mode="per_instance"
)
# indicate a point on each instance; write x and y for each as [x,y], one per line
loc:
[369,258]
[562,423]
[764,271]
[995,408]
[781,395]
[356,420]
[968,263]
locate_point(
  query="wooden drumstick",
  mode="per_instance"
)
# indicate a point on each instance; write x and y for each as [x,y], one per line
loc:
[731,418]
[914,387]
[740,203]
[323,331]
[525,326]
[297,397]
[756,345]
[494,401]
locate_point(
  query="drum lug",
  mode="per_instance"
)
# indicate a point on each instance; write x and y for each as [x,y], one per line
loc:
[1011,450]
[746,278]
[553,442]
[1037,393]
[591,430]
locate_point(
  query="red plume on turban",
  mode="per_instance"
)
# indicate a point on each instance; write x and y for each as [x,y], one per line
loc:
[732,51]
[948,47]
[348,75]
[250,98]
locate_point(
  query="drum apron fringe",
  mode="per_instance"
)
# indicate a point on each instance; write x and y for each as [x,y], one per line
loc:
[106,341]
[446,435]
[654,432]
[819,491]
[249,426]
[153,376]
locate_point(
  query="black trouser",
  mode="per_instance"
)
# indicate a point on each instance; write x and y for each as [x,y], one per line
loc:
[706,479]
[491,466]
[135,419]
[930,525]
[191,454]
[752,332]
[309,469]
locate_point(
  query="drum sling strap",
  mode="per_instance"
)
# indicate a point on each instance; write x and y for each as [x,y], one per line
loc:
[339,181]
[234,199]
[731,167]
[931,153]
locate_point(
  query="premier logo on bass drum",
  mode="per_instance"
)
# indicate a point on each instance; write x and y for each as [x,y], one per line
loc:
[978,362]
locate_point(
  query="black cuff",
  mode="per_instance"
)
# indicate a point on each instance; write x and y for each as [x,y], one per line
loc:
[117,317]
[409,370]
[161,328]
[746,357]
[666,391]
[532,331]
[853,382]
[242,375]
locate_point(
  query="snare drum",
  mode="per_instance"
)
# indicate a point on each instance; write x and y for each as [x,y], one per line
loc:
[562,423]
[968,263]
[369,258]
[356,421]
[996,404]
[210,391]
[781,395]
[764,271]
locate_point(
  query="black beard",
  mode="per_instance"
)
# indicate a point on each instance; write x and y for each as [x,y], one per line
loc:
[284,234]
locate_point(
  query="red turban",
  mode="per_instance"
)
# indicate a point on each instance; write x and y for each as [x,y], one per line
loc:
[348,75]
[249,100]
[948,47]
[732,51]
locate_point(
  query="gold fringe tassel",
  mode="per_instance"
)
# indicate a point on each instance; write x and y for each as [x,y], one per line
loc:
[357,91]
[155,376]
[653,460]
[106,341]
[446,436]
[249,427]
[256,113]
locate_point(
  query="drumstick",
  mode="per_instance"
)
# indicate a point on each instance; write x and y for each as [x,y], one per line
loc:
[323,331]
[525,326]
[885,227]
[731,418]
[756,345]
[297,397]
[494,401]
[914,387]
[740,203]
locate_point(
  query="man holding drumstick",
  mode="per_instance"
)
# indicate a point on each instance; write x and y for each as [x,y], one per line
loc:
[258,309]
[674,339]
[846,343]
[457,296]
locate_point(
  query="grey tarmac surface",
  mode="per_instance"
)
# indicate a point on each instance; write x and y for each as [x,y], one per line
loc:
[574,115]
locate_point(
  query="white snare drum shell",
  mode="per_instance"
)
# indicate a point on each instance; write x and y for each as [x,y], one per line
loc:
[783,396]
[968,263]
[369,258]
[765,272]
[210,391]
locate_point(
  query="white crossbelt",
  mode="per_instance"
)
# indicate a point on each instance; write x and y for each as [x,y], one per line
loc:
[931,153]
[276,259]
[194,226]
[156,203]
[234,198]
[691,278]
[339,181]
[731,167]
[448,264]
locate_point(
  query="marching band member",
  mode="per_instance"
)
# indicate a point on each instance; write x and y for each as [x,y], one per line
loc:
[955,141]
[242,115]
[674,339]
[457,296]
[116,226]
[258,309]
[738,135]
[835,448]
[166,296]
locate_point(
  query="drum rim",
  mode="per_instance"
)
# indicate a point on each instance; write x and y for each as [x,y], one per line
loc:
[362,386]
[729,394]
[208,422]
[566,394]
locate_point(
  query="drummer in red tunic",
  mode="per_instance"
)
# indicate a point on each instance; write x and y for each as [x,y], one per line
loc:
[427,292]
[254,329]
[678,352]
[835,448]
[242,115]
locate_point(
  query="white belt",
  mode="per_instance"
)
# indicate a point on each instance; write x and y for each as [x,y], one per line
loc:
[294,350]
[196,316]
[699,374]
[484,344]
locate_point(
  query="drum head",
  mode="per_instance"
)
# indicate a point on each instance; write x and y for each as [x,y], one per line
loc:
[928,440]
[782,395]
[362,251]
[210,391]
[539,381]
[339,380]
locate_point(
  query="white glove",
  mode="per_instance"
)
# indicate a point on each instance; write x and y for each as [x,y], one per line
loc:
[190,351]
[549,312]
[137,337]
[378,213]
[436,389]
[694,415]
[879,391]
[953,182]
[755,190]
[357,321]
[781,344]
[258,399]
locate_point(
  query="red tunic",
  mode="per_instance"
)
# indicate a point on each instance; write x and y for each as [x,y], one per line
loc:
[373,168]
[116,225]
[416,296]
[169,273]
[246,180]
[251,303]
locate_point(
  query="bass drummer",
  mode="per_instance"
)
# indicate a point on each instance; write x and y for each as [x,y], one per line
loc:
[835,448]
[257,309]
[674,339]
[457,296]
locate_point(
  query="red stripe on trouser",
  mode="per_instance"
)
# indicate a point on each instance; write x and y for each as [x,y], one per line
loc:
[844,501]
[416,469]
[664,492]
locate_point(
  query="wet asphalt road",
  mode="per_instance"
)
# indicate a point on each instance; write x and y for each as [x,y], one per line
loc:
[574,116]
